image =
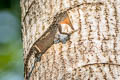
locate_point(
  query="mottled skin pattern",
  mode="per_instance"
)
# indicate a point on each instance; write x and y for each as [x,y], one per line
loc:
[46,40]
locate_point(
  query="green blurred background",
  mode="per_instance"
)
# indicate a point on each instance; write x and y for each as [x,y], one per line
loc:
[11,52]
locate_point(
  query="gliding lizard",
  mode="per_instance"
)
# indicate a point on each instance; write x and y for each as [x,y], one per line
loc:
[47,40]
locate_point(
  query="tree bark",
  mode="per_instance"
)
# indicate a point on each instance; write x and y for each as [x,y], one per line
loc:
[93,50]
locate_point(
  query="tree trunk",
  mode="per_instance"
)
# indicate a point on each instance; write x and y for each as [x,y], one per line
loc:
[93,50]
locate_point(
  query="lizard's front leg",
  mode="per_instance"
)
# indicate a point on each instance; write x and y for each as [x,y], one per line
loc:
[63,36]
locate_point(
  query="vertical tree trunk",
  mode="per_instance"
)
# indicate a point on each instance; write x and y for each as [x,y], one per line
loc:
[93,50]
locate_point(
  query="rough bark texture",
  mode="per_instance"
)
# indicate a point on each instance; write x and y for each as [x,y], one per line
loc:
[93,51]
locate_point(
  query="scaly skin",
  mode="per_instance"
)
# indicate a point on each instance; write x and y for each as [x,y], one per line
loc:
[47,40]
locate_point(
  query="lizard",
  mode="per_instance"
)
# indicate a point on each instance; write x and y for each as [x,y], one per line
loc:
[47,40]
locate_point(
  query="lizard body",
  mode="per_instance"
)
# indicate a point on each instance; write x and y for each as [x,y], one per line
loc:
[46,40]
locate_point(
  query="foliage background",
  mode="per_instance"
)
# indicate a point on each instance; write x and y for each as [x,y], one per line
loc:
[11,52]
